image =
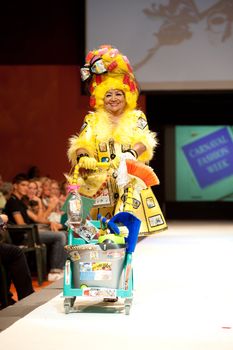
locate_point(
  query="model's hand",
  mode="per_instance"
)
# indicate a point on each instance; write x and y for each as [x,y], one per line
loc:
[88,163]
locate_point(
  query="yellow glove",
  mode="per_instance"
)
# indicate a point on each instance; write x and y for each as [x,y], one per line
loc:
[87,163]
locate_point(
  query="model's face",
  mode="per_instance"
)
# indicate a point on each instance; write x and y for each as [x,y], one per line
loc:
[114,102]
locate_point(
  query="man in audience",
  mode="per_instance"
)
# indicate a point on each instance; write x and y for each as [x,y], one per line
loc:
[20,214]
[16,268]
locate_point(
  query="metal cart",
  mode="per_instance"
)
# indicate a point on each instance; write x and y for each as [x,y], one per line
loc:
[104,269]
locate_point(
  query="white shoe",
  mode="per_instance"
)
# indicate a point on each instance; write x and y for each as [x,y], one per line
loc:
[55,276]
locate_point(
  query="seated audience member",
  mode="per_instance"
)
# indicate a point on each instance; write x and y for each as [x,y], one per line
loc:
[5,193]
[31,199]
[19,213]
[39,186]
[32,189]
[54,188]
[16,268]
[63,192]
[46,191]
[55,192]
[34,202]
[51,197]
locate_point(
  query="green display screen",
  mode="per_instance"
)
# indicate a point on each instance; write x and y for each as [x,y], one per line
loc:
[203,163]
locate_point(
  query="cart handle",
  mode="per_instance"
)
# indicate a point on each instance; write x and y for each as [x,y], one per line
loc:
[111,225]
[76,171]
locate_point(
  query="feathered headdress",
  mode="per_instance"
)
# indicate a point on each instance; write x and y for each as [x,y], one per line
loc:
[106,68]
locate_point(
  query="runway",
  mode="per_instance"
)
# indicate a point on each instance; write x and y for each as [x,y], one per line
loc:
[183,300]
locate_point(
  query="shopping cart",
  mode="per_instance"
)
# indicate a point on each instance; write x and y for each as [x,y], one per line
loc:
[102,267]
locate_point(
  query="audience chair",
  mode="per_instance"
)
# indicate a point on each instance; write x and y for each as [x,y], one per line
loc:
[31,244]
[3,285]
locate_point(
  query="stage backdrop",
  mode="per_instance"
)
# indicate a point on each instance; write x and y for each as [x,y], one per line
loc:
[172,44]
[41,107]
[204,163]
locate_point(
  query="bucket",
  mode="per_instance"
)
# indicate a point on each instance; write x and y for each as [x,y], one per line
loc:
[97,265]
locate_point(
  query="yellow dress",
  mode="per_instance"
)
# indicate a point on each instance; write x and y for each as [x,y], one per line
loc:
[104,142]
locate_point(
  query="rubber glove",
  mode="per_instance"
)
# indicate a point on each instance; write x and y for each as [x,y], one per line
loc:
[129,155]
[125,155]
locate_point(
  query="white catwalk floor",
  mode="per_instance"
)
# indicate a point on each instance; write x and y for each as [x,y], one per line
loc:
[183,300]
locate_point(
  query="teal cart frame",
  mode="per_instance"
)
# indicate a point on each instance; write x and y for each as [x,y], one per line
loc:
[126,282]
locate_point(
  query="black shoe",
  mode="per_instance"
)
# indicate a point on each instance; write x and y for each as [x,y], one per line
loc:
[10,302]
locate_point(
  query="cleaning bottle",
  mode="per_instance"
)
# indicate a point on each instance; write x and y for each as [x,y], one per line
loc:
[75,208]
[75,211]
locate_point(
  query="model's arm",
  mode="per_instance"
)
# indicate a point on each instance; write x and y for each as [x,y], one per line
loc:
[82,144]
[139,148]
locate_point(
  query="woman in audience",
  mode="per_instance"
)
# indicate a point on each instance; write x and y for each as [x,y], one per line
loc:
[63,192]
[54,188]
[39,186]
[51,198]
[5,193]
[32,189]
[46,191]
[34,202]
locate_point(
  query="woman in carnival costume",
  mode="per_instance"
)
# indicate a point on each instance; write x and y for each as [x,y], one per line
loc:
[116,133]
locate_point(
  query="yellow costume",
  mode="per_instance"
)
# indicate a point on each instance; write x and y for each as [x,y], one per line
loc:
[104,141]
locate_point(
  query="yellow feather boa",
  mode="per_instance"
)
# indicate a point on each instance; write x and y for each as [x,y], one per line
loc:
[100,129]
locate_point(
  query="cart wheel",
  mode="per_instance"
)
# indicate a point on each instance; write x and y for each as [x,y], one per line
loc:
[127,309]
[128,303]
[68,304]
[67,309]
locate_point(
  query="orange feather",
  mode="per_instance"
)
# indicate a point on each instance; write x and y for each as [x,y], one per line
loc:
[143,171]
